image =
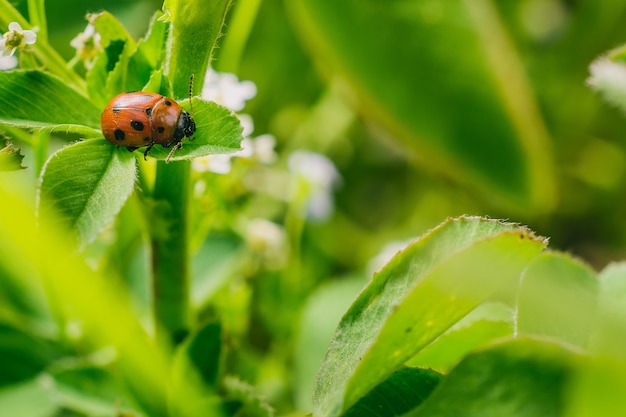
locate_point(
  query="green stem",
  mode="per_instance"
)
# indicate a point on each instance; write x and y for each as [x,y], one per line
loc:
[37,15]
[195,26]
[170,254]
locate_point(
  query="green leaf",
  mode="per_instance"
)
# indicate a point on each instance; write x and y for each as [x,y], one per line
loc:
[150,50]
[217,131]
[84,132]
[609,336]
[471,333]
[109,74]
[558,298]
[420,294]
[23,355]
[404,390]
[445,79]
[200,356]
[519,378]
[10,158]
[87,183]
[38,99]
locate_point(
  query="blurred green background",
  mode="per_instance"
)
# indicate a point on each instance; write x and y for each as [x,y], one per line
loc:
[430,109]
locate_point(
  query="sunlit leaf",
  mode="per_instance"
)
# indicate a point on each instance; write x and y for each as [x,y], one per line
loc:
[404,390]
[37,99]
[90,193]
[217,131]
[519,378]
[421,293]
[558,297]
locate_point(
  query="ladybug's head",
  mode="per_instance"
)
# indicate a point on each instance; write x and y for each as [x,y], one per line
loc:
[185,128]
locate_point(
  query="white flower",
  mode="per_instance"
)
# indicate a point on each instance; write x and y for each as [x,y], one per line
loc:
[267,239]
[7,62]
[87,43]
[261,149]
[226,89]
[16,38]
[315,178]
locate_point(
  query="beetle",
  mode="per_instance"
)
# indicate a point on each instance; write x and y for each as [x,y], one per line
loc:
[141,119]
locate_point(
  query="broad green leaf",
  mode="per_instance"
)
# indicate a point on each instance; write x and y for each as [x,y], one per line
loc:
[519,378]
[148,55]
[469,334]
[558,298]
[38,99]
[421,293]
[598,389]
[609,335]
[445,79]
[217,131]
[87,184]
[404,390]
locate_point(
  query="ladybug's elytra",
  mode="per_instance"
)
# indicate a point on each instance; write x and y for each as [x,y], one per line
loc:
[141,119]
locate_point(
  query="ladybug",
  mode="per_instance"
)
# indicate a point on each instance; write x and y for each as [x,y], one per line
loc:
[141,119]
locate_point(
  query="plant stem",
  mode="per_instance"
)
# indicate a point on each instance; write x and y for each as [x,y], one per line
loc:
[195,26]
[170,254]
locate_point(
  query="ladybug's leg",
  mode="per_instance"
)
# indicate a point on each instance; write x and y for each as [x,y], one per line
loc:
[145,153]
[131,148]
[174,149]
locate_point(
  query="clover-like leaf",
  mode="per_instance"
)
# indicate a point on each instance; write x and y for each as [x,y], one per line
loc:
[86,184]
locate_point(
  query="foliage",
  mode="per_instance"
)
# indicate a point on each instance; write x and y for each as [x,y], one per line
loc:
[241,278]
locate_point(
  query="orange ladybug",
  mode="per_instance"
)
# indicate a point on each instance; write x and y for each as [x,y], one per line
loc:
[141,119]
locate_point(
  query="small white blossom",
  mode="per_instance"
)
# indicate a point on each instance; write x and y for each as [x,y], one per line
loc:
[87,43]
[315,176]
[267,239]
[7,63]
[226,89]
[246,123]
[261,149]
[264,149]
[16,38]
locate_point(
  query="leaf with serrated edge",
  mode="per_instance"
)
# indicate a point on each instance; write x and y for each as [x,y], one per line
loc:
[419,294]
[217,131]
[87,183]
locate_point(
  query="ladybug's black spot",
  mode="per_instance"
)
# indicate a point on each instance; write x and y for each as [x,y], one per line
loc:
[138,126]
[116,110]
[168,103]
[160,129]
[149,111]
[119,134]
[146,139]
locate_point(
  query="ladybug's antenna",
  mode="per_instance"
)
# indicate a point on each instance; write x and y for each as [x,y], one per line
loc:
[191,94]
